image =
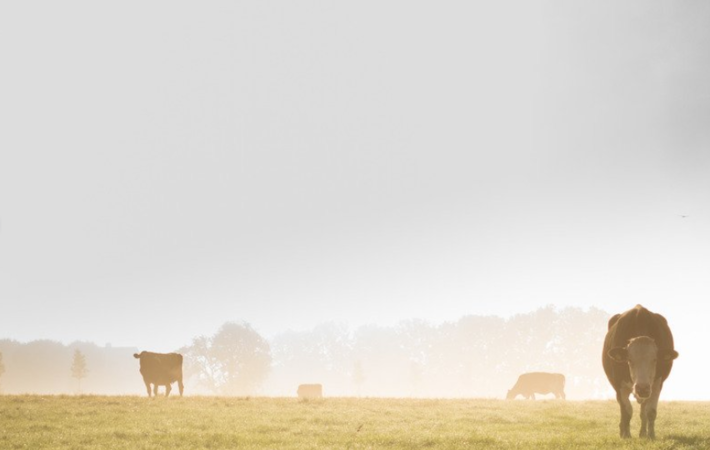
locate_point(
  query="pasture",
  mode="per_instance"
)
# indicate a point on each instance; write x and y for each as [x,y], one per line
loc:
[97,422]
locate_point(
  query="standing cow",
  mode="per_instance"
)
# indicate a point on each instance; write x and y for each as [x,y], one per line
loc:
[638,356]
[532,383]
[160,369]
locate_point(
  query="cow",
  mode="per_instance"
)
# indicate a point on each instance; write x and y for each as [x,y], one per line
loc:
[529,384]
[637,357]
[160,369]
[310,391]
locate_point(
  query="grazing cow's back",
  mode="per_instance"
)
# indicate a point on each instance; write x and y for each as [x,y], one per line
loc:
[532,383]
[160,369]
[310,391]
[637,357]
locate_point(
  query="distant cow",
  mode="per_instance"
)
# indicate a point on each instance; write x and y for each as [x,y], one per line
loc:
[310,391]
[532,383]
[638,356]
[160,369]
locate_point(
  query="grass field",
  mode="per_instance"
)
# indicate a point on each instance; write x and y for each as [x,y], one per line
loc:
[95,422]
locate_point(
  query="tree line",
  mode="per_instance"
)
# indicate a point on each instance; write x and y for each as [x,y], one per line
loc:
[475,356]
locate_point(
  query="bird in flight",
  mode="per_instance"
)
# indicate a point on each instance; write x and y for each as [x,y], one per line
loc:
[682,216]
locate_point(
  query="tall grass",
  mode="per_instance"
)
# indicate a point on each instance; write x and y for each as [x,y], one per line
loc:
[93,422]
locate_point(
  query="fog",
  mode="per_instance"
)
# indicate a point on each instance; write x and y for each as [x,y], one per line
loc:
[350,173]
[475,356]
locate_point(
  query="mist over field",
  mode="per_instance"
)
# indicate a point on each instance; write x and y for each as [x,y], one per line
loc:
[383,197]
[475,356]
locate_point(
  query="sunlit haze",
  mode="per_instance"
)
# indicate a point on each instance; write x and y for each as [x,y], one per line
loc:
[166,167]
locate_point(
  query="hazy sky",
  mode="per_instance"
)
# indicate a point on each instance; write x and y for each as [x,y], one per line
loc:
[168,166]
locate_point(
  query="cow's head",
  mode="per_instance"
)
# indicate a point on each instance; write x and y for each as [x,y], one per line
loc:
[511,395]
[642,355]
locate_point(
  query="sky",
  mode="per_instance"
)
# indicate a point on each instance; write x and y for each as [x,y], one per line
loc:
[169,166]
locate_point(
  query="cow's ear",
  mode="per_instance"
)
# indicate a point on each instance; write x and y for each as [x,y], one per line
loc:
[667,355]
[618,354]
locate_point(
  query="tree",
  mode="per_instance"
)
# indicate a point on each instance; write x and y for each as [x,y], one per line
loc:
[320,355]
[358,376]
[78,368]
[235,361]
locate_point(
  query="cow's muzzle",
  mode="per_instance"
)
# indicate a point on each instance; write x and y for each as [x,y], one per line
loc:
[642,391]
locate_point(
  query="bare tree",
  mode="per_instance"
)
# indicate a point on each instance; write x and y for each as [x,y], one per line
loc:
[78,368]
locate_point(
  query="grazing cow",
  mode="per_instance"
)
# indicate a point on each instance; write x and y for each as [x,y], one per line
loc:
[310,391]
[529,384]
[638,356]
[160,369]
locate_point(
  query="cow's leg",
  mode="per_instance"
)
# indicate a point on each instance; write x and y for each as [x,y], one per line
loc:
[180,386]
[649,411]
[532,395]
[168,388]
[147,387]
[644,419]
[622,396]
[155,389]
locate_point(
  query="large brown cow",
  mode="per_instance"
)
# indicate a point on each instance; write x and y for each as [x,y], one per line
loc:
[532,383]
[638,356]
[160,369]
